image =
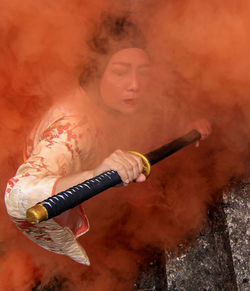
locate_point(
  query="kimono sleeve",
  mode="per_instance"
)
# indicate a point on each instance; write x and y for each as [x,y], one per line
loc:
[55,154]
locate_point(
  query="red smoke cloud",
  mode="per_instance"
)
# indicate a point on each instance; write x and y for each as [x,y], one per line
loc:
[201,55]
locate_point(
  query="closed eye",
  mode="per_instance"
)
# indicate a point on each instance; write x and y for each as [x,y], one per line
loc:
[120,72]
[144,72]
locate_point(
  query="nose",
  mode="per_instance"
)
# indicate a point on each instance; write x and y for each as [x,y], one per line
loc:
[133,83]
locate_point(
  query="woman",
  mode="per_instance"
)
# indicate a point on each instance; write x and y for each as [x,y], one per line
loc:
[70,144]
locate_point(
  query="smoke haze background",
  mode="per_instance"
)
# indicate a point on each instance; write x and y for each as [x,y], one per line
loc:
[201,51]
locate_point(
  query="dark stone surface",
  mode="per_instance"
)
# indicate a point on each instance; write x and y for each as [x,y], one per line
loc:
[208,264]
[57,283]
[219,260]
[236,207]
[152,276]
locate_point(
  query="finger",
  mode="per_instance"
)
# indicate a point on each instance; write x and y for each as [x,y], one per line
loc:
[204,133]
[113,163]
[203,136]
[139,162]
[135,162]
[125,183]
[127,166]
[122,172]
[209,129]
[205,129]
[141,178]
[131,166]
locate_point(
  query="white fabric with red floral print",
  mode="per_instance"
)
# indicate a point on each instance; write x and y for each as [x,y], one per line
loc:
[55,148]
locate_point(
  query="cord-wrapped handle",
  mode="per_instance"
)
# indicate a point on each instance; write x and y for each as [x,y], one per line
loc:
[72,197]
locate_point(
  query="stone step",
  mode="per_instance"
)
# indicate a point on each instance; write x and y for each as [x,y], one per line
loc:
[237,210]
[219,260]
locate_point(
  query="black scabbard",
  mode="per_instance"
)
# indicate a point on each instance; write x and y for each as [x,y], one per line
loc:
[172,147]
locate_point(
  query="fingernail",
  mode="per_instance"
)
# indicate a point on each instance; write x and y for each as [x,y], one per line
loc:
[127,181]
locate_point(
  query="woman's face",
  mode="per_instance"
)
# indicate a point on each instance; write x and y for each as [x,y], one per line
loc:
[125,80]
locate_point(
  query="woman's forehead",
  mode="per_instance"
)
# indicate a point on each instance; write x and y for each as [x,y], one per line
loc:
[134,56]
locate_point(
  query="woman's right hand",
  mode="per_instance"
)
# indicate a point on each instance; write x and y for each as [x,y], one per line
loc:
[128,166]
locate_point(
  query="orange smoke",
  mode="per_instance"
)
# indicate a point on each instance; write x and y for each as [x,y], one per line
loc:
[19,268]
[201,54]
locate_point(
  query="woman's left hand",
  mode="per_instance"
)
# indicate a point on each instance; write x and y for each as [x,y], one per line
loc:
[204,128]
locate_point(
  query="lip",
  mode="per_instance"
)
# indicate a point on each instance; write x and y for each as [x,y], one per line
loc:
[130,101]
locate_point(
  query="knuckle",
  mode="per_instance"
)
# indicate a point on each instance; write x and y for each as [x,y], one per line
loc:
[123,175]
[113,155]
[120,167]
[105,161]
[135,163]
[139,160]
[134,157]
[130,166]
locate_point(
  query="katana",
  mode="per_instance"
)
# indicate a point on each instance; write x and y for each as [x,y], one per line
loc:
[70,198]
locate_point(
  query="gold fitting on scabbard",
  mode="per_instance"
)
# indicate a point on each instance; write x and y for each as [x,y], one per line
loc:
[36,214]
[146,164]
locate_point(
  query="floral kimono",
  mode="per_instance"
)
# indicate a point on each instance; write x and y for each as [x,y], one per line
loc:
[55,148]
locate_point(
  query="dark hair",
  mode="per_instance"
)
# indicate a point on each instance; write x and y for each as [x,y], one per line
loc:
[112,34]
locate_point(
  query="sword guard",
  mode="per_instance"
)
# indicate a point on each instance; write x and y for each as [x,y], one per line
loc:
[146,164]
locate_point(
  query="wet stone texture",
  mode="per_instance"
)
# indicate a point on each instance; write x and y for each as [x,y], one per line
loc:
[219,260]
[152,276]
[57,283]
[237,218]
[208,264]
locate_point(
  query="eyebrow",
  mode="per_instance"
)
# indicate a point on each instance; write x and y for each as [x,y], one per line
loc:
[128,64]
[121,64]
